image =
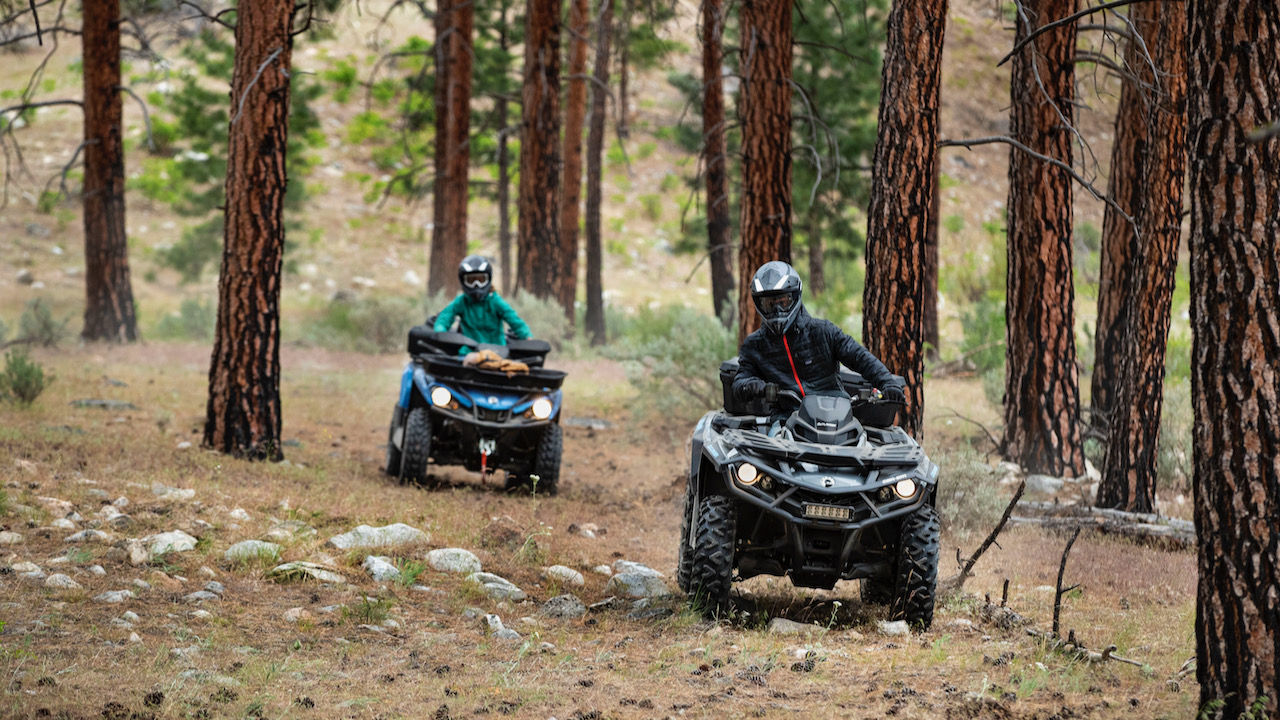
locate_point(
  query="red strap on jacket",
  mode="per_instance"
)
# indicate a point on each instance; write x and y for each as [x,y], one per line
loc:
[794,374]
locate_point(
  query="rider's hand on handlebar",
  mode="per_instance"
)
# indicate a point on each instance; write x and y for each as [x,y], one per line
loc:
[894,394]
[771,392]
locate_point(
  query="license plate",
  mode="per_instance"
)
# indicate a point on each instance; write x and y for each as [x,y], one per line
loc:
[826,512]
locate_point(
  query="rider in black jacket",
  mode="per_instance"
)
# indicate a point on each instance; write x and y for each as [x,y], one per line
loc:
[795,351]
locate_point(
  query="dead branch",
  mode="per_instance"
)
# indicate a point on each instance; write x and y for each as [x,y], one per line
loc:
[962,362]
[955,583]
[1071,646]
[1144,527]
[1059,592]
[1031,36]
[261,68]
[995,443]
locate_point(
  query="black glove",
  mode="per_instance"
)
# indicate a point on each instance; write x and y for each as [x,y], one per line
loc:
[894,394]
[770,392]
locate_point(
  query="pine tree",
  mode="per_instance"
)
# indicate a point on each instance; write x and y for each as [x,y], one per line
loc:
[539,203]
[454,22]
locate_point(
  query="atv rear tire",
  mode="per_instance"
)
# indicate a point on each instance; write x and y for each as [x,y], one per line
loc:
[916,573]
[546,463]
[417,446]
[392,467]
[711,566]
[684,556]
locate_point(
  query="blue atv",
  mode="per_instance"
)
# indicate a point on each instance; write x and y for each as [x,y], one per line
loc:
[485,420]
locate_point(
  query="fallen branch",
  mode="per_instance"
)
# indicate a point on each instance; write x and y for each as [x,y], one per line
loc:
[1143,527]
[1072,647]
[955,583]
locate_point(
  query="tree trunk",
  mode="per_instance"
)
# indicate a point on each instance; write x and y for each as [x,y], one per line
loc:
[715,161]
[624,68]
[813,228]
[1129,472]
[108,311]
[504,168]
[539,238]
[1119,245]
[1042,394]
[903,178]
[453,24]
[243,415]
[1233,83]
[595,151]
[930,271]
[766,146]
[575,112]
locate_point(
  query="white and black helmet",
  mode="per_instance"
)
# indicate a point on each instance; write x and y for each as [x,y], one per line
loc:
[775,290]
[475,272]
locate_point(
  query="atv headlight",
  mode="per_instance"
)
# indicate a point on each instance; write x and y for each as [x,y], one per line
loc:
[747,474]
[905,488]
[542,408]
[440,396]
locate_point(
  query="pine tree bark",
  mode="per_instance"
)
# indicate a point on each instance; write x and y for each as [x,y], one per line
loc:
[930,270]
[108,313]
[765,105]
[1042,393]
[575,114]
[1119,245]
[624,69]
[594,319]
[1233,82]
[539,203]
[715,161]
[454,22]
[1129,471]
[504,166]
[904,169]
[243,413]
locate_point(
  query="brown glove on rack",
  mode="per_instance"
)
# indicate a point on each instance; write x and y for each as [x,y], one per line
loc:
[490,360]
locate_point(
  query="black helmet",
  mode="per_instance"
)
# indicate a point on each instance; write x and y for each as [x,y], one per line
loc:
[775,289]
[476,275]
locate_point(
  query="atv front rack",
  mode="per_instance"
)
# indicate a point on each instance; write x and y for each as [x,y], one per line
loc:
[452,369]
[865,455]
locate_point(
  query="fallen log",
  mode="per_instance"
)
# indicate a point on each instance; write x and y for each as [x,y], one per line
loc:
[1142,527]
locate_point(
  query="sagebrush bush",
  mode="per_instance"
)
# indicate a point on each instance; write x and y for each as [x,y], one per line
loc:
[969,494]
[23,379]
[38,325]
[372,325]
[545,318]
[672,356]
[984,333]
[194,320]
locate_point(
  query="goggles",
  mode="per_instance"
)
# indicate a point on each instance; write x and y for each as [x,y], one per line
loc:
[475,280]
[773,304]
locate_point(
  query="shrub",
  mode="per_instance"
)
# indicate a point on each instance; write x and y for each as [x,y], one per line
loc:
[194,320]
[37,324]
[1173,450]
[673,357]
[23,379]
[375,324]
[969,495]
[984,334]
[545,318]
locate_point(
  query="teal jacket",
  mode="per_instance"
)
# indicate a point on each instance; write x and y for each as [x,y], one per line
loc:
[482,319]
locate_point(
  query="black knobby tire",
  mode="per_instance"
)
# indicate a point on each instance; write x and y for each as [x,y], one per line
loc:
[546,462]
[417,446]
[684,555]
[392,467]
[711,567]
[915,586]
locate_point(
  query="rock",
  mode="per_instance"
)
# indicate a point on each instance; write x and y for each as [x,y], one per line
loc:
[963,625]
[120,521]
[24,567]
[637,585]
[546,647]
[200,596]
[492,622]
[563,607]
[253,550]
[11,538]
[454,560]
[58,581]
[215,587]
[586,530]
[94,536]
[115,596]
[56,506]
[497,587]
[608,603]
[290,530]
[564,576]
[199,614]
[508,635]
[184,445]
[187,653]
[297,614]
[138,554]
[783,626]
[120,502]
[388,536]
[60,523]
[130,616]
[96,570]
[24,276]
[171,494]
[303,570]
[381,568]
[167,542]
[642,610]
[239,514]
[144,585]
[626,566]
[1044,484]
[604,570]
[207,572]
[134,638]
[502,532]
[893,627]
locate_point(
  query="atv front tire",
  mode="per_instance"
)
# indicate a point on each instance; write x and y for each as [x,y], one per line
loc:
[546,463]
[711,565]
[417,446]
[684,556]
[915,585]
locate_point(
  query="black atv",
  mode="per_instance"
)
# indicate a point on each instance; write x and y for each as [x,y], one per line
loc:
[820,489]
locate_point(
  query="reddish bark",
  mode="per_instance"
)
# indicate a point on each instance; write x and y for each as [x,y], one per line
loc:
[453,24]
[595,150]
[715,161]
[539,203]
[575,114]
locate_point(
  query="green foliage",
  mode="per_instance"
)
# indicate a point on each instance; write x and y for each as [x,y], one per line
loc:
[410,571]
[38,325]
[194,320]
[953,223]
[984,333]
[372,325]
[1177,420]
[545,318]
[369,610]
[342,76]
[969,497]
[23,379]
[672,356]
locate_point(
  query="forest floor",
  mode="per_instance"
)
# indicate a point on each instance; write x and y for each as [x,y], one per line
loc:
[362,648]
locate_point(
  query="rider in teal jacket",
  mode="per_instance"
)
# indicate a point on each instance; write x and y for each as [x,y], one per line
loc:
[481,310]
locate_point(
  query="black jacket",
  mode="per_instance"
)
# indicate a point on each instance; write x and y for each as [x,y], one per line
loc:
[818,348]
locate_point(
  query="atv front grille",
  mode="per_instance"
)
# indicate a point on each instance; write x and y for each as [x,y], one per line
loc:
[491,415]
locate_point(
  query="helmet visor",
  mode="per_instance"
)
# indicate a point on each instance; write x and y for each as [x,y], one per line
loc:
[773,305]
[475,280]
